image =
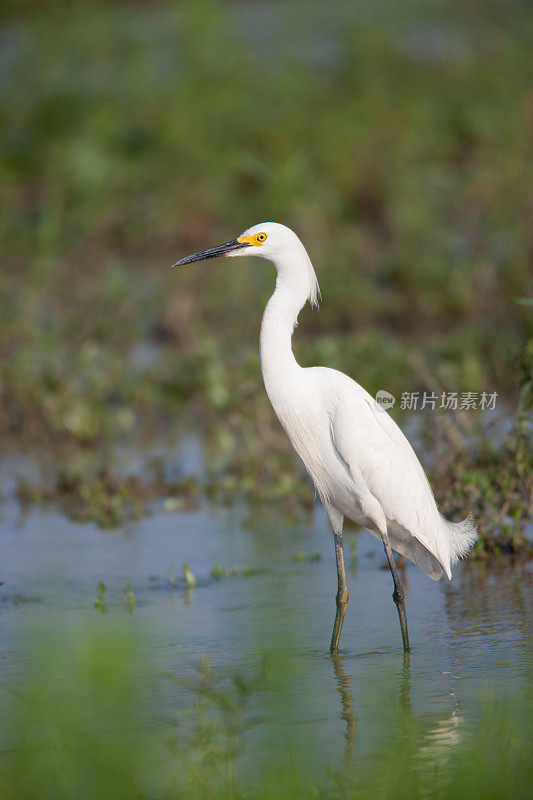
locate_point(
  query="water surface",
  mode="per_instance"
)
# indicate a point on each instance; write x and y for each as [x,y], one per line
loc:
[470,637]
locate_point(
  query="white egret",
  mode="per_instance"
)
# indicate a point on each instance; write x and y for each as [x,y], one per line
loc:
[360,462]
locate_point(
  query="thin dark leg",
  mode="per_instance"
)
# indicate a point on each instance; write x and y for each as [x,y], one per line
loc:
[398,594]
[342,594]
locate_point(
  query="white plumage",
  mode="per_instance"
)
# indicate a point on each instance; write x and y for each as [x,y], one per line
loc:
[360,462]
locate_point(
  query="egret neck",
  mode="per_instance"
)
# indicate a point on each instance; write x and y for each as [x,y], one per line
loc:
[278,363]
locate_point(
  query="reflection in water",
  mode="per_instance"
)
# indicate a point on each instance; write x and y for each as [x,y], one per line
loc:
[347,712]
[440,741]
[349,717]
[347,704]
[471,635]
[405,685]
[428,743]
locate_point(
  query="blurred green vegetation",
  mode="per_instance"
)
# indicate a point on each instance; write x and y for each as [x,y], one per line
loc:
[91,715]
[396,140]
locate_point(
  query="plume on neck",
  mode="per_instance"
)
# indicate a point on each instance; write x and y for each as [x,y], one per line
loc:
[313,294]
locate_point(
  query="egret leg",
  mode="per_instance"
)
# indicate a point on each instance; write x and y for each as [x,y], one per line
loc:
[342,594]
[398,595]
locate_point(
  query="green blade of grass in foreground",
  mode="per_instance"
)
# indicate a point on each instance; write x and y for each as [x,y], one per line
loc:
[86,720]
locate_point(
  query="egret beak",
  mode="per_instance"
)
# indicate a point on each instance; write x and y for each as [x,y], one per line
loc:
[213,252]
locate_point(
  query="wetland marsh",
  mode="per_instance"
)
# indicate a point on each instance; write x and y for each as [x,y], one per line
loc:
[167,579]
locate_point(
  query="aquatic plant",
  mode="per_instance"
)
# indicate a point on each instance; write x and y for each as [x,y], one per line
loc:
[190,580]
[102,731]
[419,210]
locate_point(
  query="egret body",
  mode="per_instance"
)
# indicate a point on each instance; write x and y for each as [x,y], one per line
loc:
[360,462]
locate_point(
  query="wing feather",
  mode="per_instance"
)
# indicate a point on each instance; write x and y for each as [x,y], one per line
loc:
[373,446]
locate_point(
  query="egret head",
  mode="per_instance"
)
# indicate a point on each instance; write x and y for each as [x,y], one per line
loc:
[269,240]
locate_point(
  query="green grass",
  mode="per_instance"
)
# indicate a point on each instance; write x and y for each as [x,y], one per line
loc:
[394,140]
[91,715]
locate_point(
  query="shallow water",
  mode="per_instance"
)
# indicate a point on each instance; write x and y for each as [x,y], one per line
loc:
[470,637]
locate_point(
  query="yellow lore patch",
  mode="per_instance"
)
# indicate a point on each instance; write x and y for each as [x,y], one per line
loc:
[256,240]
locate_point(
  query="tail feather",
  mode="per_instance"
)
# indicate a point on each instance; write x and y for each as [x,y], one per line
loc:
[461,536]
[452,541]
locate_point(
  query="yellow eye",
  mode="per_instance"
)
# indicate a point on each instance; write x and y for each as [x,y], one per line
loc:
[261,237]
